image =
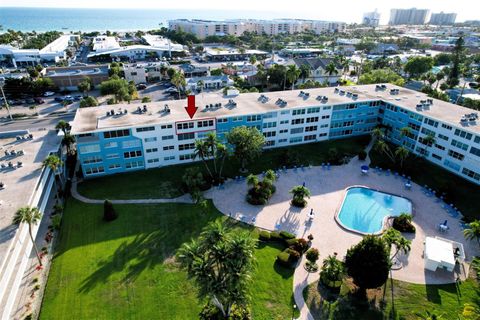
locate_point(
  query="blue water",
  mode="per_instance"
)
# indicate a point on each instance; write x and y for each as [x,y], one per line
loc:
[63,19]
[364,209]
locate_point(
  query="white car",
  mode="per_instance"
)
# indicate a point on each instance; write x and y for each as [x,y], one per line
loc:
[49,94]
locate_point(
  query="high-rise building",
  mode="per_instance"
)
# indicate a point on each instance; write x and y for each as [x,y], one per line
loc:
[371,19]
[443,18]
[411,16]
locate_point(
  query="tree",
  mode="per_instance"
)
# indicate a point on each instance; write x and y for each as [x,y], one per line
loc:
[253,60]
[146,99]
[109,212]
[381,76]
[304,71]
[30,216]
[368,263]
[402,154]
[299,193]
[292,74]
[88,101]
[64,126]
[394,238]
[472,232]
[332,270]
[178,80]
[383,147]
[201,151]
[457,57]
[428,141]
[54,163]
[417,65]
[247,143]
[439,76]
[331,69]
[200,85]
[220,262]
[68,140]
[85,85]
[252,180]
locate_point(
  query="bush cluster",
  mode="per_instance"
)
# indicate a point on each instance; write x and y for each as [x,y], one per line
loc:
[403,223]
[294,247]
[260,194]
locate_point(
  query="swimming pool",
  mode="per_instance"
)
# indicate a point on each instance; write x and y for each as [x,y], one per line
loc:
[364,210]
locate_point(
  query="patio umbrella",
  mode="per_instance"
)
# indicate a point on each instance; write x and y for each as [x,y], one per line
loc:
[364,167]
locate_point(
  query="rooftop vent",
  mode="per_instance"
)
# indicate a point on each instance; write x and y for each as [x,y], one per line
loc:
[354,96]
[281,103]
[469,117]
[263,98]
[166,108]
[336,90]
[380,87]
[342,92]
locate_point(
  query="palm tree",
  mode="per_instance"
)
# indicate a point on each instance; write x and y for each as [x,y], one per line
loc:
[201,151]
[304,71]
[382,146]
[405,132]
[54,163]
[428,141]
[212,141]
[30,216]
[292,74]
[473,231]
[402,154]
[332,269]
[64,126]
[200,85]
[299,193]
[68,140]
[395,238]
[178,80]
[252,180]
[331,69]
[253,60]
[222,154]
[439,76]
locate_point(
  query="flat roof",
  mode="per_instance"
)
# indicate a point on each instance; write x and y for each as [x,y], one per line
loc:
[80,71]
[439,251]
[94,119]
[20,182]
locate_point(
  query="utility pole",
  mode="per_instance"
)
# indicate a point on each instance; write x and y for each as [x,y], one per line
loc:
[2,82]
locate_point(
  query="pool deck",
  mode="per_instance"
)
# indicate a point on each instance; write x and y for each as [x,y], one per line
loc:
[327,188]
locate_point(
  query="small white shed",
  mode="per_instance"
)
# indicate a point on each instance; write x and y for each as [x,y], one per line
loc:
[439,253]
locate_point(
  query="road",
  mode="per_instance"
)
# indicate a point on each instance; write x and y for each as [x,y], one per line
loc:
[35,124]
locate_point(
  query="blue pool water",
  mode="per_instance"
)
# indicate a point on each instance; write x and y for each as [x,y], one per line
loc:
[364,209]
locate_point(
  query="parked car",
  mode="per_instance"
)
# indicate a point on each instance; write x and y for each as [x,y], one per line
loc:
[171,90]
[39,100]
[68,98]
[59,99]
[473,85]
[49,94]
[141,86]
[77,97]
[30,101]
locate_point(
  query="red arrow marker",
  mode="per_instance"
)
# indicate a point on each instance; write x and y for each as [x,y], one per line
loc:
[191,109]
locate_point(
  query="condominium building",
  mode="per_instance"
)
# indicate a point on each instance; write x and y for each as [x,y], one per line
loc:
[70,77]
[443,19]
[371,19]
[205,28]
[122,138]
[411,16]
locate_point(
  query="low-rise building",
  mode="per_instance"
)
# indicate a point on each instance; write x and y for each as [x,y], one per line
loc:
[190,70]
[69,77]
[144,72]
[232,54]
[318,70]
[209,82]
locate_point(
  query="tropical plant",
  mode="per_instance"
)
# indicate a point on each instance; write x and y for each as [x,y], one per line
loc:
[368,263]
[109,212]
[299,193]
[439,77]
[332,271]
[261,191]
[178,80]
[403,223]
[30,216]
[292,74]
[472,232]
[220,262]
[383,147]
[304,71]
[64,126]
[394,238]
[401,153]
[85,85]
[331,69]
[247,144]
[68,140]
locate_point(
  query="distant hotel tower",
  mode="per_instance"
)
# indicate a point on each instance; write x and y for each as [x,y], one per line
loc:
[442,18]
[371,19]
[411,16]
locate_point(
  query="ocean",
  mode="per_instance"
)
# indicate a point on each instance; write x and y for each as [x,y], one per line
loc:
[63,19]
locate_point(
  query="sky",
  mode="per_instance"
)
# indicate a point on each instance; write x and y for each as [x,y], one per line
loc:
[345,10]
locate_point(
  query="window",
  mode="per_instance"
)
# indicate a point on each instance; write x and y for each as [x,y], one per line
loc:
[114,166]
[452,165]
[310,137]
[285,112]
[283,131]
[269,134]
[131,144]
[205,123]
[441,136]
[166,126]
[436,156]
[284,122]
[456,155]
[270,143]
[326,117]
[298,121]
[153,160]
[313,110]
[463,134]
[222,120]
[150,139]
[167,137]
[237,119]
[322,134]
[185,125]
[298,111]
[113,156]
[439,147]
[254,118]
[477,139]
[110,145]
[296,130]
[269,125]
[116,134]
[133,164]
[269,115]
[151,150]
[430,122]
[471,174]
[327,108]
[475,151]
[92,159]
[311,128]
[428,132]
[187,146]
[166,148]
[186,156]
[90,148]
[169,158]
[94,170]
[445,126]
[186,136]
[282,140]
[132,154]
[295,139]
[145,129]
[312,119]
[413,126]
[459,145]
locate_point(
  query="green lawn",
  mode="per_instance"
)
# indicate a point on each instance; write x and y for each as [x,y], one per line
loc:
[124,269]
[459,191]
[166,182]
[411,301]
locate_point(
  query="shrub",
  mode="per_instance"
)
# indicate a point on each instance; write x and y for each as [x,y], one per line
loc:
[362,155]
[56,221]
[111,101]
[264,235]
[237,312]
[19,115]
[403,223]
[36,287]
[300,203]
[146,99]
[294,255]
[28,317]
[88,102]
[284,258]
[35,280]
[302,245]
[274,235]
[312,255]
[333,155]
[287,235]
[310,237]
[109,213]
[291,242]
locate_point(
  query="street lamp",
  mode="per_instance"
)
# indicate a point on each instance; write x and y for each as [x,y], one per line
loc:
[2,83]
[293,311]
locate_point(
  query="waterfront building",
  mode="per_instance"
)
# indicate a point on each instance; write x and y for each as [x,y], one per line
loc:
[126,137]
[411,16]
[443,19]
[371,19]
